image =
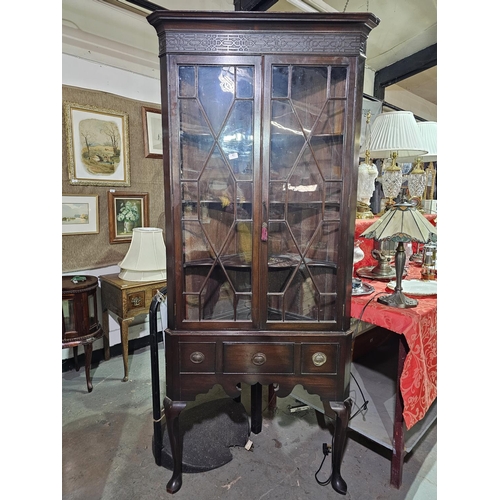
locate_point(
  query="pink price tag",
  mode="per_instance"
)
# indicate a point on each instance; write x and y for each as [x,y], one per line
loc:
[263,234]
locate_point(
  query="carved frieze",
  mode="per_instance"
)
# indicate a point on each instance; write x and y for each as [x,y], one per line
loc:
[263,43]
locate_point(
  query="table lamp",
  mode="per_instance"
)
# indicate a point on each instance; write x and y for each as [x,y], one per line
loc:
[146,259]
[395,134]
[419,179]
[428,131]
[401,223]
[367,173]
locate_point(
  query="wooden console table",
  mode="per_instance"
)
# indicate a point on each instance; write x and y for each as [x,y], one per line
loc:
[417,359]
[126,299]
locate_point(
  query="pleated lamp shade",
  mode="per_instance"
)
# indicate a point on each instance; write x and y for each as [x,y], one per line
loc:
[146,259]
[428,131]
[402,223]
[396,132]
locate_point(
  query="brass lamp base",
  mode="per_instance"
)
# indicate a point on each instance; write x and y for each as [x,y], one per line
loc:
[398,299]
[374,273]
[363,211]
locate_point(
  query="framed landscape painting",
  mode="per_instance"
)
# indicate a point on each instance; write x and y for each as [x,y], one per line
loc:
[80,214]
[126,211]
[98,146]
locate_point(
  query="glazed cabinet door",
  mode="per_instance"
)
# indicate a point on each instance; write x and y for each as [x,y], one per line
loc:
[307,142]
[215,114]
[259,149]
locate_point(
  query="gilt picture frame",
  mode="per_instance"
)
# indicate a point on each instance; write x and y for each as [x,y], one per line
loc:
[97,145]
[80,214]
[152,130]
[126,211]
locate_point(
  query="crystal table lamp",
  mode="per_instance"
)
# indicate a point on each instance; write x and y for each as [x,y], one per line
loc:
[146,259]
[401,223]
[367,173]
[428,131]
[395,134]
[418,178]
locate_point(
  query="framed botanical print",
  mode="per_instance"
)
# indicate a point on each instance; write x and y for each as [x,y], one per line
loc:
[80,214]
[98,146]
[126,211]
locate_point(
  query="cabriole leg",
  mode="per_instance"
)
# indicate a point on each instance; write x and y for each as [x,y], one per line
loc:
[341,411]
[172,411]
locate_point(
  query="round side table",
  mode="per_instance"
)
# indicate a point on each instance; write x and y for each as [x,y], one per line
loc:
[80,324]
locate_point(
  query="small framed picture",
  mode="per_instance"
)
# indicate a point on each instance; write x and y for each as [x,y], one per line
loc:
[126,211]
[80,214]
[98,146]
[151,124]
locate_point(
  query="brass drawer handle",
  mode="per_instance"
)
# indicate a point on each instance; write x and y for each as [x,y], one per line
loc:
[197,357]
[136,301]
[319,358]
[259,359]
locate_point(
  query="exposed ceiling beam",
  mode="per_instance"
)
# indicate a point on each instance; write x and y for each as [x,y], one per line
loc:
[146,5]
[262,5]
[409,66]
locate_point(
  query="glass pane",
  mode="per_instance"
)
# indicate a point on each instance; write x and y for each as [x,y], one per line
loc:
[196,140]
[244,82]
[327,139]
[217,133]
[280,81]
[237,140]
[287,140]
[195,243]
[333,195]
[216,93]
[308,93]
[186,81]
[68,315]
[338,82]
[92,311]
[306,150]
[328,304]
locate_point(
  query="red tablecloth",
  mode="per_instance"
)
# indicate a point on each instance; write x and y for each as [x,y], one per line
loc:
[418,381]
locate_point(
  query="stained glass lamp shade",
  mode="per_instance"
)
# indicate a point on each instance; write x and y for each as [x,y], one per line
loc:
[401,223]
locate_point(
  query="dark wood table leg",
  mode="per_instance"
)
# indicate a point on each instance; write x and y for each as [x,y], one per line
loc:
[256,408]
[75,356]
[172,411]
[398,439]
[341,412]
[105,337]
[88,360]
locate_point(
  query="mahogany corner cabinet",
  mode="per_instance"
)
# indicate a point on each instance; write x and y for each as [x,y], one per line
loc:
[261,121]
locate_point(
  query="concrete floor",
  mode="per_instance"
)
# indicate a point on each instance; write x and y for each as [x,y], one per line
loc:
[107,438]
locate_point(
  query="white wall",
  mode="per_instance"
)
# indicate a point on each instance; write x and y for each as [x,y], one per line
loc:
[82,73]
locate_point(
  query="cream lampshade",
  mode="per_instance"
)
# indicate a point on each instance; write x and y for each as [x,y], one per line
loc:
[146,259]
[395,134]
[419,178]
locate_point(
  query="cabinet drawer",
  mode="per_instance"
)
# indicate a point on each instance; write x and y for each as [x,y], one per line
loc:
[136,300]
[197,357]
[258,357]
[320,359]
